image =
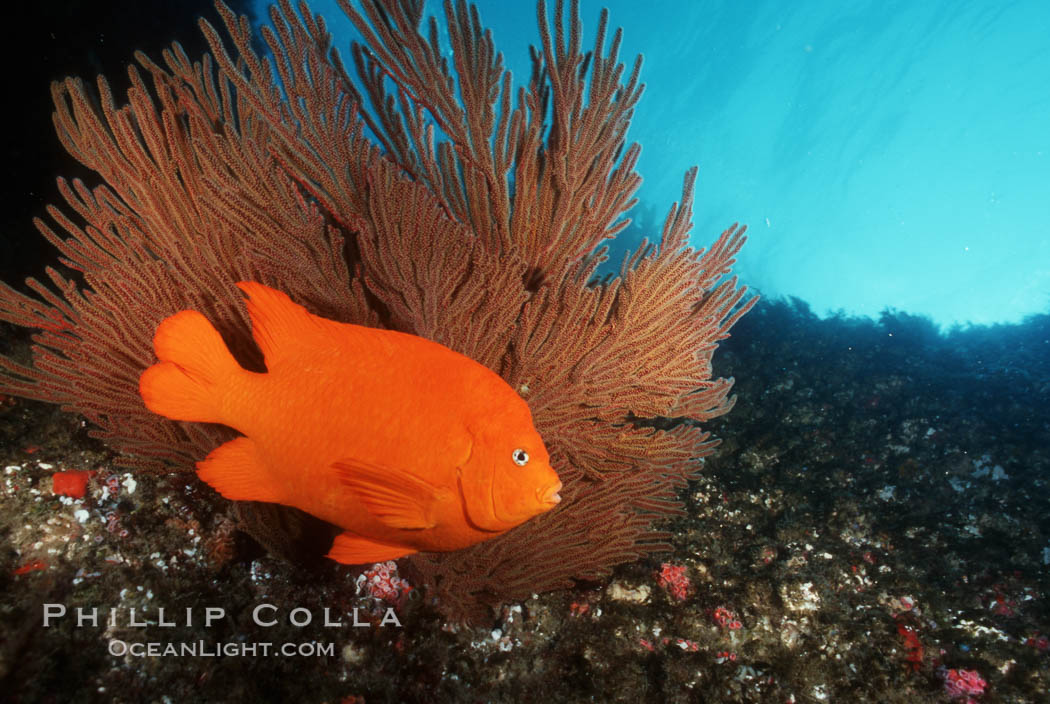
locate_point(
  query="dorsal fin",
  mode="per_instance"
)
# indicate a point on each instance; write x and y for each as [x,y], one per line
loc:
[279,325]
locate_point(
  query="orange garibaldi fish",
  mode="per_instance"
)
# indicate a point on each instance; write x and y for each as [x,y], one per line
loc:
[401,442]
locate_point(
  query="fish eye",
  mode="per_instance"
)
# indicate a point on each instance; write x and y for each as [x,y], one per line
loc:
[521,458]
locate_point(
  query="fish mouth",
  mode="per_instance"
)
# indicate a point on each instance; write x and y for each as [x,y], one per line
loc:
[550,495]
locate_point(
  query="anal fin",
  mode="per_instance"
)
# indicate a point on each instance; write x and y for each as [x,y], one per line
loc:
[351,549]
[236,471]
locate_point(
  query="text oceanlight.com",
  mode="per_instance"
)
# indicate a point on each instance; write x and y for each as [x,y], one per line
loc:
[201,649]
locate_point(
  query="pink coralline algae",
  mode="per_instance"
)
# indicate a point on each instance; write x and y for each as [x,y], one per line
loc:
[673,579]
[726,619]
[1038,642]
[382,582]
[963,683]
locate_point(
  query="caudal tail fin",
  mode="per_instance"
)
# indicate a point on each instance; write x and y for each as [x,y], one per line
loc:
[195,366]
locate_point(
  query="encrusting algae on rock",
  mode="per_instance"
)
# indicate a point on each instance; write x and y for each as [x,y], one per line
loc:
[400,441]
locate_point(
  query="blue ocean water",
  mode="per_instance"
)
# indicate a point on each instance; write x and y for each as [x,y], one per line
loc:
[883,154]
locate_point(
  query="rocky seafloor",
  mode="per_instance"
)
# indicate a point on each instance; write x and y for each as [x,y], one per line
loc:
[875,527]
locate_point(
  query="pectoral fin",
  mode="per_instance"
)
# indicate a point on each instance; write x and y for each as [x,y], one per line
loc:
[351,549]
[397,498]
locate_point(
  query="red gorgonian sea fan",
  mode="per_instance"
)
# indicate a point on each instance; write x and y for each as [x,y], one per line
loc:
[430,196]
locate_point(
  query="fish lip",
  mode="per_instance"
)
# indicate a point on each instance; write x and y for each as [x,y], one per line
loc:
[550,495]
